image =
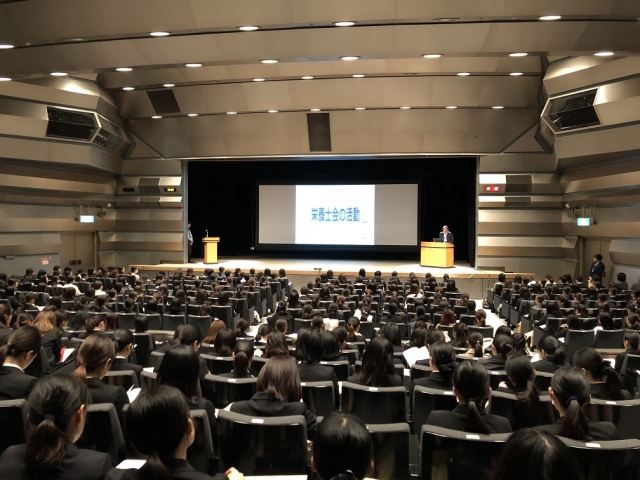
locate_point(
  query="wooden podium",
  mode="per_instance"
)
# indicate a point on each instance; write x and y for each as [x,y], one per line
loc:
[211,249]
[436,254]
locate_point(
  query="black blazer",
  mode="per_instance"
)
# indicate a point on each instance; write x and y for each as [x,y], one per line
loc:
[103,393]
[206,405]
[600,391]
[496,362]
[621,356]
[394,379]
[435,380]
[263,404]
[180,470]
[598,430]
[15,384]
[456,419]
[392,319]
[597,268]
[52,344]
[5,333]
[546,365]
[121,364]
[77,464]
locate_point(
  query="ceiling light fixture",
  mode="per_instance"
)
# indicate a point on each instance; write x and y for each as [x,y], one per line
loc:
[452,107]
[128,89]
[515,74]
[344,24]
[547,18]
[5,79]
[192,115]
[258,79]
[159,34]
[169,85]
[307,77]
[432,55]
[124,69]
[59,74]
[248,28]
[446,19]
[520,54]
[405,108]
[604,54]
[232,113]
[464,74]
[498,107]
[193,65]
[360,108]
[269,60]
[315,109]
[349,58]
[272,111]
[156,116]
[358,75]
[5,46]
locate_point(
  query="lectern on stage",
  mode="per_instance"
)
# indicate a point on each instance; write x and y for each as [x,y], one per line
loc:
[436,254]
[211,249]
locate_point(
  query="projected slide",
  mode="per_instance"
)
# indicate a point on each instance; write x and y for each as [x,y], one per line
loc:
[335,214]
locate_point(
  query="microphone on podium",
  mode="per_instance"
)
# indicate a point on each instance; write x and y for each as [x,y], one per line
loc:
[207,233]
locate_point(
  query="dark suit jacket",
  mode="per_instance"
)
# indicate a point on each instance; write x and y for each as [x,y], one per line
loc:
[600,391]
[494,363]
[264,405]
[180,470]
[103,393]
[597,268]
[456,419]
[545,365]
[121,364]
[449,237]
[52,344]
[206,405]
[598,430]
[78,464]
[622,286]
[395,380]
[435,380]
[15,384]
[392,319]
[5,333]
[620,358]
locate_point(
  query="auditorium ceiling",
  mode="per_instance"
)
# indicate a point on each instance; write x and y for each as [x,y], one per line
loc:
[213,78]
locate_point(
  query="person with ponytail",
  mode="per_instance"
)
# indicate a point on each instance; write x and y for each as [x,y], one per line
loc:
[57,415]
[631,344]
[342,449]
[353,329]
[378,369]
[263,331]
[242,359]
[604,381]
[6,314]
[276,345]
[472,389]
[527,411]
[15,356]
[476,346]
[158,426]
[242,328]
[552,355]
[501,348]
[46,322]
[95,356]
[569,392]
[123,342]
[460,335]
[94,325]
[442,362]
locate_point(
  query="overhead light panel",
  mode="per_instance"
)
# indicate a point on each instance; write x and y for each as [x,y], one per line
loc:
[519,54]
[5,46]
[128,89]
[5,79]
[515,74]
[258,79]
[604,54]
[344,24]
[307,77]
[316,109]
[193,65]
[358,75]
[498,107]
[464,74]
[269,60]
[124,69]
[446,19]
[159,34]
[59,74]
[547,18]
[452,107]
[272,111]
[405,108]
[432,55]
[248,28]
[192,115]
[349,58]
[169,85]
[156,117]
[360,108]
[232,113]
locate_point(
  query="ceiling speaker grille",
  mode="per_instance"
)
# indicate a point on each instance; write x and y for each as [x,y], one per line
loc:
[573,111]
[70,124]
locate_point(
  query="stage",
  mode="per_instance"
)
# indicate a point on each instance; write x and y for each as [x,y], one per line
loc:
[302,271]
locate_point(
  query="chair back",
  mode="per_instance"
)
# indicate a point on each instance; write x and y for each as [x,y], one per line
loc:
[155,359]
[172,322]
[103,433]
[630,366]
[299,324]
[319,397]
[624,414]
[375,404]
[224,313]
[341,368]
[126,320]
[426,400]
[419,371]
[390,451]
[577,339]
[543,381]
[262,446]
[203,322]
[200,452]
[143,344]
[468,319]
[366,329]
[608,339]
[487,332]
[121,378]
[224,390]
[451,454]
[155,320]
[148,380]
[506,405]
[13,422]
[606,460]
[218,365]
[257,364]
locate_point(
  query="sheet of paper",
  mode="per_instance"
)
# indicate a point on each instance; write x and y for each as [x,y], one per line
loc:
[127,464]
[133,394]
[67,352]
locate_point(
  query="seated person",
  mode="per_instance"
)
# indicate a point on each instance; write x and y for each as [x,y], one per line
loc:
[378,369]
[527,412]
[309,352]
[93,326]
[15,356]
[501,348]
[604,381]
[631,344]
[442,362]
[242,358]
[123,341]
[552,355]
[57,415]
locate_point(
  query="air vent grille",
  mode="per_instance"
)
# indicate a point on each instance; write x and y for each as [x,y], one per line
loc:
[70,124]
[573,111]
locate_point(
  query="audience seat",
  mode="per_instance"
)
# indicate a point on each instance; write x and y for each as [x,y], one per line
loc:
[419,371]
[143,344]
[319,397]
[155,359]
[13,422]
[262,446]
[505,405]
[256,365]
[577,339]
[203,322]
[126,320]
[218,365]
[608,339]
[154,319]
[625,414]
[543,381]
[630,367]
[223,390]
[390,451]
[122,378]
[299,324]
[487,332]
[455,455]
[366,329]
[341,368]
[103,433]
[224,313]
[607,460]
[148,380]
[172,322]
[425,400]
[375,405]
[200,454]
[468,319]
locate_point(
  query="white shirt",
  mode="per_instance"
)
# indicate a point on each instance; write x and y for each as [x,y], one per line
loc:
[100,293]
[7,364]
[72,285]
[189,235]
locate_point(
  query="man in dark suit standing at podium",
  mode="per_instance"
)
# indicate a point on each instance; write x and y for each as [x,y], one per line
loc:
[446,235]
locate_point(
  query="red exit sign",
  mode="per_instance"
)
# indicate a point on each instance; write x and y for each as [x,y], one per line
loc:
[491,188]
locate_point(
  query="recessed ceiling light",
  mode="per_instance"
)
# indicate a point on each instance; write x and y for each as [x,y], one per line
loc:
[157,116]
[515,74]
[550,17]
[344,24]
[193,65]
[349,58]
[307,77]
[315,109]
[159,34]
[464,74]
[604,54]
[192,115]
[258,79]
[5,46]
[59,74]
[360,108]
[519,54]
[128,89]
[432,55]
[405,108]
[452,107]
[169,85]
[498,107]
[446,19]
[248,28]
[272,111]
[124,69]
[358,75]
[231,113]
[5,79]
[269,60]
